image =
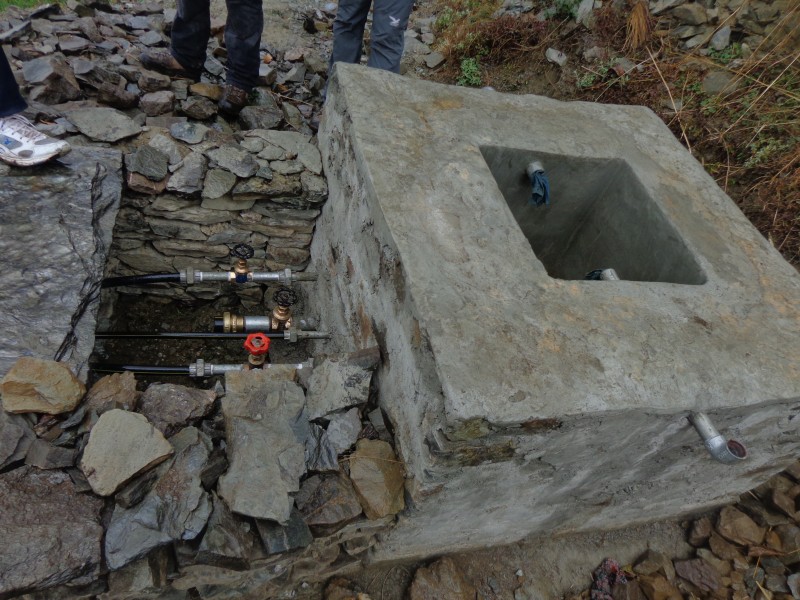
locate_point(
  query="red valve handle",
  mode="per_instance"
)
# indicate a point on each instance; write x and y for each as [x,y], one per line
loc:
[257,344]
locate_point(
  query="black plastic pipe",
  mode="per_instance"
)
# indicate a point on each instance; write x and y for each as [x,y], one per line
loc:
[197,335]
[147,369]
[142,279]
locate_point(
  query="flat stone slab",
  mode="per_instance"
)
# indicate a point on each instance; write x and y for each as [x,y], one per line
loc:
[516,387]
[56,223]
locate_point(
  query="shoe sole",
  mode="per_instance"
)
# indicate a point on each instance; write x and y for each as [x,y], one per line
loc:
[164,70]
[34,160]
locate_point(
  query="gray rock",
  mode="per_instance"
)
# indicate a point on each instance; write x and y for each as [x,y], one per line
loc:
[151,38]
[692,13]
[149,161]
[556,56]
[297,144]
[282,538]
[327,502]
[146,259]
[216,465]
[434,60]
[236,160]
[54,78]
[55,529]
[150,81]
[191,133]
[157,103]
[315,188]
[261,475]
[189,248]
[267,75]
[218,182]
[16,436]
[73,44]
[227,541]
[228,203]
[188,178]
[170,407]
[173,228]
[721,38]
[103,124]
[343,430]
[44,386]
[286,167]
[177,508]
[121,445]
[256,188]
[198,107]
[168,147]
[269,151]
[294,118]
[260,117]
[320,454]
[251,144]
[172,207]
[337,383]
[720,82]
[659,6]
[134,491]
[44,455]
[74,208]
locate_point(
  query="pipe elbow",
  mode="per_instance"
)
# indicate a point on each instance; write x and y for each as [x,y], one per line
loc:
[725,451]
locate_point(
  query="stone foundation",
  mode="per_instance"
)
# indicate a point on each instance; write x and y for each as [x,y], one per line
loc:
[525,399]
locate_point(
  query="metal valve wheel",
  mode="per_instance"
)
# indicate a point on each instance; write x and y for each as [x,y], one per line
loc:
[285,297]
[242,251]
[257,344]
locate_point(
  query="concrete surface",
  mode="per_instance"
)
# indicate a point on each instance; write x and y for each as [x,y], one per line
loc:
[524,403]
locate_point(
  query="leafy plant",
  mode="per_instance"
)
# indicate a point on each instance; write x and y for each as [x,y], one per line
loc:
[563,9]
[470,73]
[726,55]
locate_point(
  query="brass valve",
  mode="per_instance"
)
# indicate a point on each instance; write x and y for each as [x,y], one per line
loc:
[241,270]
[281,320]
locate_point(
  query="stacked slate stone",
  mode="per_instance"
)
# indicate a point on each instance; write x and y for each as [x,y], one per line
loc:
[246,489]
[196,182]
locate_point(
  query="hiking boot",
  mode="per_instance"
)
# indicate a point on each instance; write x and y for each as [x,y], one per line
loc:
[163,62]
[233,100]
[21,144]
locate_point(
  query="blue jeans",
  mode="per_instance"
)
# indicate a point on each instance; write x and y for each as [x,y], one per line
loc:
[389,22]
[192,28]
[11,101]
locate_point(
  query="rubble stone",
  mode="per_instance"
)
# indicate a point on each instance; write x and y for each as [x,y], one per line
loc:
[283,538]
[378,478]
[121,445]
[738,527]
[44,386]
[103,124]
[443,580]
[170,406]
[327,502]
[55,529]
[16,436]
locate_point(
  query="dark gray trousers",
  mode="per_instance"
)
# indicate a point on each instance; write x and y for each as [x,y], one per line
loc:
[11,101]
[192,28]
[389,22]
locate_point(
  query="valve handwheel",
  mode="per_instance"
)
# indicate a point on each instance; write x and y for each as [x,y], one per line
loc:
[285,297]
[257,344]
[242,251]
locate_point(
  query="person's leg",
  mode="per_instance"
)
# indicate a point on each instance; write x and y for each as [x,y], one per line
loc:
[387,38]
[190,33]
[348,31]
[243,40]
[11,101]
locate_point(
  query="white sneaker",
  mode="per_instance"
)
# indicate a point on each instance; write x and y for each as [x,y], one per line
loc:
[21,144]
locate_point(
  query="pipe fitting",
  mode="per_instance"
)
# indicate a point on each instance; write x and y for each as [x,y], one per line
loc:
[725,451]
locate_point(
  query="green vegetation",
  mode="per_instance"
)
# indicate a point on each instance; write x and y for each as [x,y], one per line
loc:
[470,73]
[5,4]
[563,9]
[726,55]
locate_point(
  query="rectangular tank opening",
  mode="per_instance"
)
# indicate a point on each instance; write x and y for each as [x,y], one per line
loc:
[600,216]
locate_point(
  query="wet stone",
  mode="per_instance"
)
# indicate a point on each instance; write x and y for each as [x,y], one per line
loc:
[198,107]
[283,538]
[148,161]
[191,133]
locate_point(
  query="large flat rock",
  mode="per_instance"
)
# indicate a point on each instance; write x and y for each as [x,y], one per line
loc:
[523,397]
[56,223]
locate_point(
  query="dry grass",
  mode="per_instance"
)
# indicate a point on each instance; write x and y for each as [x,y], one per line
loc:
[747,136]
